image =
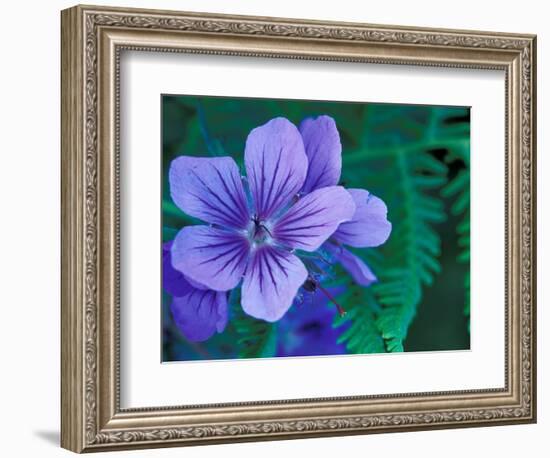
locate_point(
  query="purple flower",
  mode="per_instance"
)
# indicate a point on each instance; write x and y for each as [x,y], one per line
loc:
[253,233]
[307,328]
[369,226]
[197,312]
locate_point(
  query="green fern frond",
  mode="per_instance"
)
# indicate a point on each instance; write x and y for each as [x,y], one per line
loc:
[256,338]
[401,153]
[414,247]
[362,336]
[459,190]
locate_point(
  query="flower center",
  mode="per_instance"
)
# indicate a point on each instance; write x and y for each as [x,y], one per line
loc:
[259,232]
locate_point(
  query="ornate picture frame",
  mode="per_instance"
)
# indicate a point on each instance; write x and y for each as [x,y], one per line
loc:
[92,41]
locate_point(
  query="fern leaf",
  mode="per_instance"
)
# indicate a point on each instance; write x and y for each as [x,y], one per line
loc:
[459,189]
[402,153]
[414,247]
[362,336]
[256,338]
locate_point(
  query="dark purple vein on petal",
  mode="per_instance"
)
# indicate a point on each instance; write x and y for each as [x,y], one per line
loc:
[218,256]
[270,271]
[262,181]
[228,191]
[307,235]
[227,263]
[319,176]
[275,175]
[238,190]
[275,256]
[348,233]
[291,240]
[227,242]
[244,253]
[202,299]
[260,273]
[353,223]
[254,187]
[299,228]
[218,198]
[193,293]
[280,196]
[304,208]
[215,211]
[297,217]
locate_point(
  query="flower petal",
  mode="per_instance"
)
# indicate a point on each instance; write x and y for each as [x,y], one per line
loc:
[271,282]
[360,272]
[212,257]
[306,329]
[173,281]
[276,165]
[199,313]
[324,152]
[209,189]
[369,226]
[356,267]
[223,315]
[314,218]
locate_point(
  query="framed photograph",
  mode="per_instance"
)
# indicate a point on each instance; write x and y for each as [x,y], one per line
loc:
[278,228]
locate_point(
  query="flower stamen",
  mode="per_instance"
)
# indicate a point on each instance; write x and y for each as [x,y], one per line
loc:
[259,232]
[330,297]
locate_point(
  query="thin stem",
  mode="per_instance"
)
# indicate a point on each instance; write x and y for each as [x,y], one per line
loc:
[340,309]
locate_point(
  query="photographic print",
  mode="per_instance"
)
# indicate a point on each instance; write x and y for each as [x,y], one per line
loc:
[313,228]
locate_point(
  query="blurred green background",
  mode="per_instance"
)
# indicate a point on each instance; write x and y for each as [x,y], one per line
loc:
[416,158]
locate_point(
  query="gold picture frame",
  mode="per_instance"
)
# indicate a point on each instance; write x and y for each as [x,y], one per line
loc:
[92,40]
